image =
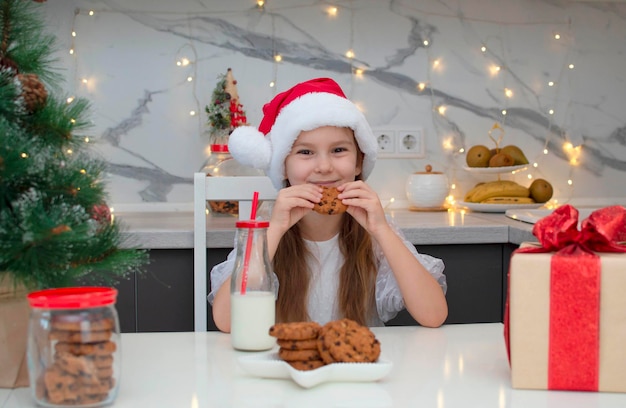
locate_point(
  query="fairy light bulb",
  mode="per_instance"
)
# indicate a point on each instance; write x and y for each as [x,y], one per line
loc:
[73,33]
[278,58]
[436,63]
[332,11]
[192,113]
[494,70]
[503,112]
[272,84]
[71,51]
[571,66]
[508,92]
[426,43]
[570,182]
[70,99]
[442,110]
[91,12]
[358,72]
[260,3]
[483,48]
[551,111]
[84,81]
[557,36]
[550,83]
[545,151]
[24,155]
[189,78]
[69,151]
[86,139]
[421,86]
[350,54]
[83,171]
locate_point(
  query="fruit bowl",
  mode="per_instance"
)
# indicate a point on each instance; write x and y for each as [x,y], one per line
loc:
[495,170]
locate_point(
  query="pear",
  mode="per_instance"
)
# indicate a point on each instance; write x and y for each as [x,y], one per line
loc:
[516,153]
[541,190]
[478,156]
[501,160]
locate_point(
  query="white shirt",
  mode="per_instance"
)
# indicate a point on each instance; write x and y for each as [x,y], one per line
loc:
[322,300]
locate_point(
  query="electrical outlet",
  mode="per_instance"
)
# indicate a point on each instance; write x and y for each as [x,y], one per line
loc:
[386,140]
[410,143]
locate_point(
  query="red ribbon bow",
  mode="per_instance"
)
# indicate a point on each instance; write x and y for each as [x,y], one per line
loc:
[573,355]
[601,232]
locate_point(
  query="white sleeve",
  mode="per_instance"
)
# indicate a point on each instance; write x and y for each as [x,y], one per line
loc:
[220,273]
[388,297]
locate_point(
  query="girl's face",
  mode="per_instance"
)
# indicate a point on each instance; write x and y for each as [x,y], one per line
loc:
[327,156]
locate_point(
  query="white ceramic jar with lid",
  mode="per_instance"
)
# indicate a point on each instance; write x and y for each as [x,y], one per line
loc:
[427,189]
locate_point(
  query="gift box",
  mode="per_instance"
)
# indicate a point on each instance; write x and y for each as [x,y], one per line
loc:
[565,317]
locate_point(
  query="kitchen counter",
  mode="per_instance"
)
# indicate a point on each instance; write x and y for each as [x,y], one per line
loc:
[451,366]
[174,230]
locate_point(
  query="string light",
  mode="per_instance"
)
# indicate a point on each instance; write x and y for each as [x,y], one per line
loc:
[24,155]
[436,64]
[86,139]
[70,99]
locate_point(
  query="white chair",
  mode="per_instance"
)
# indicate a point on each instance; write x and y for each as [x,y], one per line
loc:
[218,189]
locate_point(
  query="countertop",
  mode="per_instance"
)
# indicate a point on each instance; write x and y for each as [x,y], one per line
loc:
[174,229]
[451,366]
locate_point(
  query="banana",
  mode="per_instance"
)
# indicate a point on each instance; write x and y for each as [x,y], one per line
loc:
[500,188]
[508,200]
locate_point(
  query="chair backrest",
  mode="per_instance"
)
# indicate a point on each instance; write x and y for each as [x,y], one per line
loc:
[205,189]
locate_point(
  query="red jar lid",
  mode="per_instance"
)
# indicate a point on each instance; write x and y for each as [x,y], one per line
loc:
[252,224]
[220,148]
[73,298]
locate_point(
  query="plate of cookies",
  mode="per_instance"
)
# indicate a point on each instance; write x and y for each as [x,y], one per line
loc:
[311,354]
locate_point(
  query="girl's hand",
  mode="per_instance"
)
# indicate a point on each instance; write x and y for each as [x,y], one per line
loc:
[293,203]
[364,205]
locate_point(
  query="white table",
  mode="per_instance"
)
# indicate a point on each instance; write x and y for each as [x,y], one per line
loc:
[452,366]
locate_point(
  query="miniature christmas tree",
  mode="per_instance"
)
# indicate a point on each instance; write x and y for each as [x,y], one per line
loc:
[55,226]
[225,112]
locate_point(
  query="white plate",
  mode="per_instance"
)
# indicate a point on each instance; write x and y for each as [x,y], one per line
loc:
[496,170]
[497,208]
[269,365]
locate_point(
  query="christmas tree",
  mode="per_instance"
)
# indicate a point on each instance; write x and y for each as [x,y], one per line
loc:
[224,112]
[55,226]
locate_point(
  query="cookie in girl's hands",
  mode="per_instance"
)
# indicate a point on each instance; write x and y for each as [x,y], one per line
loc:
[330,204]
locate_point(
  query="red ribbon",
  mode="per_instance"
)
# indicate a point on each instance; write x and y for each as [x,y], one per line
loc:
[575,275]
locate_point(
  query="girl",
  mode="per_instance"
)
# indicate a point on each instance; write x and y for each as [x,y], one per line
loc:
[356,264]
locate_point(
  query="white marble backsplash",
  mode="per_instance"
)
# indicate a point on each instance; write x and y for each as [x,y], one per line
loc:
[128,49]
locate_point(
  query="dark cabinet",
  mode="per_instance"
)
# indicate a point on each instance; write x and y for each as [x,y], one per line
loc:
[161,299]
[474,276]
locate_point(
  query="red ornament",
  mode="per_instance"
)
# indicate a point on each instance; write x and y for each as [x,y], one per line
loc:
[101,213]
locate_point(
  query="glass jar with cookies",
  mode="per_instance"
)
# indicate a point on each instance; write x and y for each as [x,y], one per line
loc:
[73,347]
[221,164]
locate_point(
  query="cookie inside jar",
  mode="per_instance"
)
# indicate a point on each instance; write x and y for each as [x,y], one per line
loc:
[221,164]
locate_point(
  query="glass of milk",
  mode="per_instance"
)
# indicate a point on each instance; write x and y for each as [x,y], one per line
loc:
[252,289]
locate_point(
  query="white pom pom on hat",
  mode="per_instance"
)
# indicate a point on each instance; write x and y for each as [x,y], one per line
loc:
[307,106]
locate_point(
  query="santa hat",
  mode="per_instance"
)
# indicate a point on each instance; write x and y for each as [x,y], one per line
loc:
[307,106]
